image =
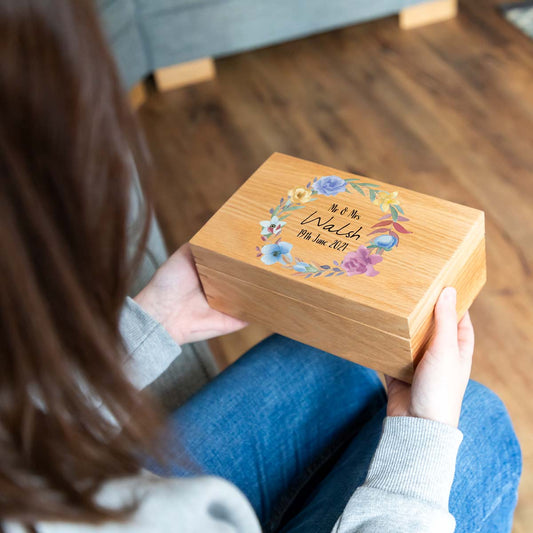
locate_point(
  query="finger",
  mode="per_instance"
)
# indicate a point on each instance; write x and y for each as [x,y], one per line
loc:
[394,383]
[185,250]
[465,336]
[398,397]
[445,335]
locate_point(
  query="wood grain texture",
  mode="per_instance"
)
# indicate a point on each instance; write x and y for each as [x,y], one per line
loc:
[427,13]
[384,310]
[467,272]
[306,323]
[183,74]
[446,110]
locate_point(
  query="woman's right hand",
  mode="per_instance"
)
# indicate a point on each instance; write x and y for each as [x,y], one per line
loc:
[441,377]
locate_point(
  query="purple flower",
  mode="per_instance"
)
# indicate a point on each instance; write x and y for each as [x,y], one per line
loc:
[361,262]
[329,185]
[276,253]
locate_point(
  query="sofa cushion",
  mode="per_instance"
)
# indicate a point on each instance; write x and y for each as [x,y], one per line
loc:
[120,24]
[157,6]
[221,27]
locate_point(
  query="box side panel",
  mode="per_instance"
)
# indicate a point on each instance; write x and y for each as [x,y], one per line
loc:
[308,324]
[314,295]
[468,277]
[421,317]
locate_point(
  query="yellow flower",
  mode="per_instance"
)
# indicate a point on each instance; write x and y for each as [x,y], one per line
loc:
[386,199]
[299,195]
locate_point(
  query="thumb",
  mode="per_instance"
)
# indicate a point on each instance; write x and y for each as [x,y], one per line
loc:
[445,335]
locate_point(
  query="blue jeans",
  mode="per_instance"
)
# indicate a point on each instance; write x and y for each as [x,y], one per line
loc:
[295,429]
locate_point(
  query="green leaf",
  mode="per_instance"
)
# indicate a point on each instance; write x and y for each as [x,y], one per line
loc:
[372,194]
[369,185]
[399,208]
[393,213]
[358,189]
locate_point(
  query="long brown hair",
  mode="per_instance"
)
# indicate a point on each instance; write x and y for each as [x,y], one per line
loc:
[67,147]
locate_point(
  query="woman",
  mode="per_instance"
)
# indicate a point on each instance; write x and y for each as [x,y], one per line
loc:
[287,439]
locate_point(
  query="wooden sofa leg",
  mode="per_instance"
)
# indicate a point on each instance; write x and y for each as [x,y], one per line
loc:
[427,13]
[137,95]
[183,74]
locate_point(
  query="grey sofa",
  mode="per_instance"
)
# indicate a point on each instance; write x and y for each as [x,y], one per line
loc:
[146,35]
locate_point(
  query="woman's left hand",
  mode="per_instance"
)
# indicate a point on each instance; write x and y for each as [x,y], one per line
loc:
[174,298]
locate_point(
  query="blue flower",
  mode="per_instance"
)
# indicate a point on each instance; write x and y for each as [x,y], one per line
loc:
[386,242]
[301,267]
[276,253]
[329,185]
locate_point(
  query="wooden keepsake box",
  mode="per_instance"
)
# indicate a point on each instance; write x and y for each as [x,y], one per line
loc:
[345,263]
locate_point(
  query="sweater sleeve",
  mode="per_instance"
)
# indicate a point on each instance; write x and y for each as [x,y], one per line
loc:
[408,484]
[204,504]
[150,349]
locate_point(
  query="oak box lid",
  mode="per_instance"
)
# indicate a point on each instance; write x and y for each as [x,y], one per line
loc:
[373,252]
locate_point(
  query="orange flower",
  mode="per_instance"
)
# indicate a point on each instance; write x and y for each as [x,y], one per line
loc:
[299,195]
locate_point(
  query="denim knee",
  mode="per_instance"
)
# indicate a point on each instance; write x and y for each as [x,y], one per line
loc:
[489,464]
[487,426]
[291,355]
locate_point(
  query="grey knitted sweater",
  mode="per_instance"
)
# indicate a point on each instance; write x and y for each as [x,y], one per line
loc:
[406,489]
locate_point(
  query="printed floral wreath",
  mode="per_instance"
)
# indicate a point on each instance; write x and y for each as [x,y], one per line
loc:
[363,260]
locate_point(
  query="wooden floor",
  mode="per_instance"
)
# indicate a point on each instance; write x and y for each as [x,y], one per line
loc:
[445,110]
